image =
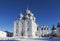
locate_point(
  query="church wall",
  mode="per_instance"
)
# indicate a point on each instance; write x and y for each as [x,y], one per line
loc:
[34,29]
[26,26]
[58,31]
[3,34]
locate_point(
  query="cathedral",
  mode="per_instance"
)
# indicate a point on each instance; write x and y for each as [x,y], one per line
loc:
[26,26]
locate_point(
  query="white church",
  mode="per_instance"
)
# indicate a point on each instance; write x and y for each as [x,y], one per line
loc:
[26,26]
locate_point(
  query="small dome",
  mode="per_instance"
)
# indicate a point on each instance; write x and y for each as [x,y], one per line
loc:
[27,16]
[31,17]
[27,11]
[45,25]
[32,14]
[42,26]
[21,15]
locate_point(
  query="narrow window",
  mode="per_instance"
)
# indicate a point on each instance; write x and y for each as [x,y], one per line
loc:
[28,29]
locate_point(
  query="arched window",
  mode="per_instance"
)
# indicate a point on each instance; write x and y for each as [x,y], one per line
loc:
[44,28]
[28,29]
[41,28]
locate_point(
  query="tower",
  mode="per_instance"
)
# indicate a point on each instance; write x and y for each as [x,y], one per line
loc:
[58,29]
[25,26]
[53,31]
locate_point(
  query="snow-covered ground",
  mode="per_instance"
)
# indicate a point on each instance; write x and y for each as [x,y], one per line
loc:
[39,39]
[36,39]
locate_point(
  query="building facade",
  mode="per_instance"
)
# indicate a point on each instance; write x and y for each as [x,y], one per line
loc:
[43,31]
[3,34]
[56,31]
[53,33]
[26,26]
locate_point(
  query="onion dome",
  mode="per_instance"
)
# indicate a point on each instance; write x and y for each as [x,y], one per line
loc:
[20,16]
[31,18]
[31,14]
[27,16]
[42,26]
[46,25]
[28,11]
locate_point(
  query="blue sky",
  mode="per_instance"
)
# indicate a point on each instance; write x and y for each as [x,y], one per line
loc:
[45,11]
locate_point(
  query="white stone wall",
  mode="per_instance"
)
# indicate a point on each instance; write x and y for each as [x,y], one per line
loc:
[31,25]
[28,26]
[43,31]
[3,34]
[58,31]
[34,29]
[25,25]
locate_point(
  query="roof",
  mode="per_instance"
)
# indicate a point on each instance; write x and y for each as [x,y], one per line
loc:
[53,28]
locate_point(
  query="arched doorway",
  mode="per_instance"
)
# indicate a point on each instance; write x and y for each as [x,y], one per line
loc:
[22,33]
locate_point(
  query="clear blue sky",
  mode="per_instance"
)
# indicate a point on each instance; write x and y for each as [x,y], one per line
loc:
[45,11]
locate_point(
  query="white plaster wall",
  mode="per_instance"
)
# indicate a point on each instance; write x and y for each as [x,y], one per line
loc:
[58,31]
[34,29]
[3,34]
